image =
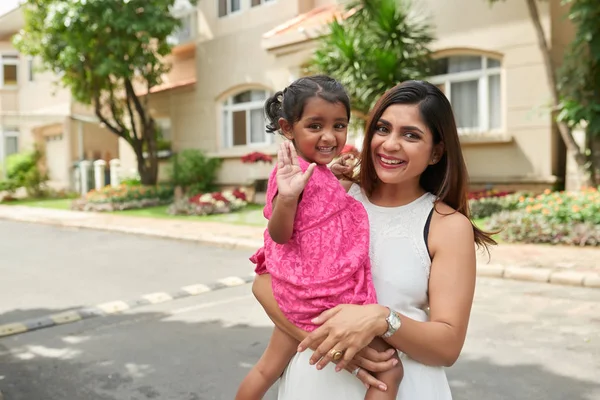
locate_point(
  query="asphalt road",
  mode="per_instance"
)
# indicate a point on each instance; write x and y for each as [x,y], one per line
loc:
[526,340]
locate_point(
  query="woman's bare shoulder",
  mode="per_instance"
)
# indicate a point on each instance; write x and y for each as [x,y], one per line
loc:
[450,226]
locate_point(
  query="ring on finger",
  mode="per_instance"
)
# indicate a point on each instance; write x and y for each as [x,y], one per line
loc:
[336,355]
[356,371]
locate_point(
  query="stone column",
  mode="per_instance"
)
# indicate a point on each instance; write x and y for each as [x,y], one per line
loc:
[84,167]
[115,172]
[99,166]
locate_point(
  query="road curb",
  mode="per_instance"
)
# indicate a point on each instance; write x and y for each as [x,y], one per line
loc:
[543,275]
[210,239]
[512,272]
[118,306]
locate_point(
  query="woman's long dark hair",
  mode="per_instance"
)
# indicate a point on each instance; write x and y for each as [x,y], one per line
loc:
[448,178]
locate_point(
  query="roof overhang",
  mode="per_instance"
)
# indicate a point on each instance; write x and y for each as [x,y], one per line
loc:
[11,22]
[304,28]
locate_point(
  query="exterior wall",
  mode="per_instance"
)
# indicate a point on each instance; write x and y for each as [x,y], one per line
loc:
[523,151]
[230,60]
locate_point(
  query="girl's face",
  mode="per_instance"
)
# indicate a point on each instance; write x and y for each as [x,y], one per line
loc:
[320,134]
[402,146]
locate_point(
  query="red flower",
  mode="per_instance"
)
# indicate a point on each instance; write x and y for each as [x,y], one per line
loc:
[256,157]
[239,194]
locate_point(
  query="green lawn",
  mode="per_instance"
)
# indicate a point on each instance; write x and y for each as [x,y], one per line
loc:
[57,204]
[250,215]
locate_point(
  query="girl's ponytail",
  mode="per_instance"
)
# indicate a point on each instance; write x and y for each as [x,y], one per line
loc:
[274,111]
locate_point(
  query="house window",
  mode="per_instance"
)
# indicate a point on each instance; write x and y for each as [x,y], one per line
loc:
[244,119]
[227,7]
[259,2]
[472,83]
[30,69]
[9,70]
[10,142]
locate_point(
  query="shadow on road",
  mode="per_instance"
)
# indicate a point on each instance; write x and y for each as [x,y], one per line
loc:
[482,379]
[152,355]
[129,357]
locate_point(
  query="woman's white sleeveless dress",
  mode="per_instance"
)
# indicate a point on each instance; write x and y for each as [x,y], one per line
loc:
[401,265]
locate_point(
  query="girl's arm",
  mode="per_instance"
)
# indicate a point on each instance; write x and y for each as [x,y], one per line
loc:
[438,341]
[281,223]
[291,181]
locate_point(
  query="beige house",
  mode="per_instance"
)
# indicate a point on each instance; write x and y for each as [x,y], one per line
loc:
[231,54]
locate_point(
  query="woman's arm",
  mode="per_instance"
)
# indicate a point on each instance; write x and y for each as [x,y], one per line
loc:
[451,287]
[451,290]
[370,359]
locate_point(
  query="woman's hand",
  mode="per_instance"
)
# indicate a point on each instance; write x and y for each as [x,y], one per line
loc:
[343,166]
[291,181]
[346,328]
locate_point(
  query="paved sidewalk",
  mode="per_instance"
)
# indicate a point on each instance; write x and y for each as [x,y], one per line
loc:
[542,263]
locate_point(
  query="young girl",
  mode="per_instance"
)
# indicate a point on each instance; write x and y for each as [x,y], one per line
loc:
[317,240]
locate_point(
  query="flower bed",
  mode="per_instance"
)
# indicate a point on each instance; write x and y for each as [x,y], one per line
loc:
[484,204]
[571,218]
[124,197]
[210,203]
[256,157]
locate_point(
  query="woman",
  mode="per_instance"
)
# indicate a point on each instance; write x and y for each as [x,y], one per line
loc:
[413,184]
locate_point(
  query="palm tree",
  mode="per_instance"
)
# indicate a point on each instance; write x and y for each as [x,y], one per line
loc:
[373,46]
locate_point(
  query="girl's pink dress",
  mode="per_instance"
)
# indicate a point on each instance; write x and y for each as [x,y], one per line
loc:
[326,261]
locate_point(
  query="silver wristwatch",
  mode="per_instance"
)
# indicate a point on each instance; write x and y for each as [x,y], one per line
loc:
[394,323]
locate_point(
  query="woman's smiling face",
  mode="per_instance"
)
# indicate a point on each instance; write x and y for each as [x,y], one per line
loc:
[402,146]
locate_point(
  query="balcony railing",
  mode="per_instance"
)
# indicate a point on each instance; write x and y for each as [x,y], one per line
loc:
[187,31]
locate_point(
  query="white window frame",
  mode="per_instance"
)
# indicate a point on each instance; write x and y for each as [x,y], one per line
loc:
[229,13]
[177,37]
[30,69]
[482,75]
[262,3]
[230,108]
[6,134]
[4,62]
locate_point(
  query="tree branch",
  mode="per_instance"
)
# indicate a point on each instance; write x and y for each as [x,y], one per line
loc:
[136,101]
[113,108]
[565,132]
[105,121]
[131,116]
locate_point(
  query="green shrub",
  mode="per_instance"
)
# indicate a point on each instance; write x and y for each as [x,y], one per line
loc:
[565,207]
[194,171]
[22,170]
[484,207]
[128,193]
[524,227]
[571,218]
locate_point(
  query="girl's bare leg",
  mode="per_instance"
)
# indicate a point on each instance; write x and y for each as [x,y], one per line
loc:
[268,369]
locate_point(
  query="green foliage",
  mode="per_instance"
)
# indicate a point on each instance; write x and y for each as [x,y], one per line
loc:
[552,217]
[196,172]
[105,52]
[380,44]
[579,78]
[22,170]
[522,227]
[580,74]
[95,44]
[130,193]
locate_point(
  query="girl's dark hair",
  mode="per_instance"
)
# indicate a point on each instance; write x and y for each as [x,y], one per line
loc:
[448,178]
[289,103]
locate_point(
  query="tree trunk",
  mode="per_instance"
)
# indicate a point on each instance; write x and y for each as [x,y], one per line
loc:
[572,147]
[147,166]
